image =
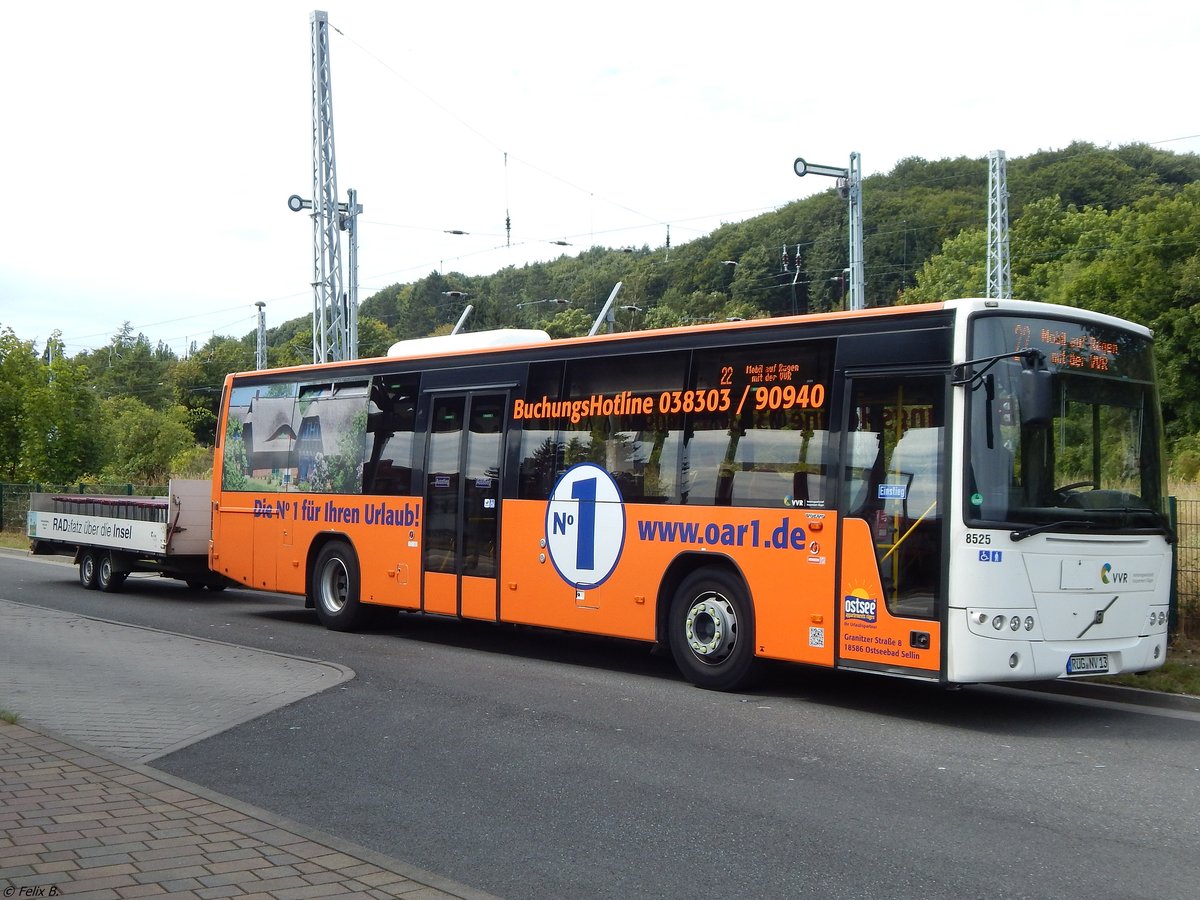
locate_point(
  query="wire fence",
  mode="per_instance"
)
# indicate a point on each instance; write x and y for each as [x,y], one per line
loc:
[1185,514]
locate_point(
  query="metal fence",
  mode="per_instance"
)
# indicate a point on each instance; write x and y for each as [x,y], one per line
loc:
[1185,514]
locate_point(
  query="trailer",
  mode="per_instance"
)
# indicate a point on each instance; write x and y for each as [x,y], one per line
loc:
[110,537]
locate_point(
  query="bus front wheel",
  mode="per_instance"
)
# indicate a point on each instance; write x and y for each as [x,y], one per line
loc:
[711,630]
[335,585]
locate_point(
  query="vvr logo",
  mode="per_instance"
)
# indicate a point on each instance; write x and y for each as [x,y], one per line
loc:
[1108,576]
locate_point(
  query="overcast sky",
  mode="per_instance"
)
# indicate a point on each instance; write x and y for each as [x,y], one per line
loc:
[149,149]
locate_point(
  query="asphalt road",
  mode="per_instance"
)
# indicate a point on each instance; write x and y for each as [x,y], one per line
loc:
[532,764]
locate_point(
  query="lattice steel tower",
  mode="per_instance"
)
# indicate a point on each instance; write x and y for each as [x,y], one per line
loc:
[999,275]
[335,308]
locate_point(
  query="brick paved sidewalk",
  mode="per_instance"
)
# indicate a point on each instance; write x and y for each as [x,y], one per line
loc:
[73,822]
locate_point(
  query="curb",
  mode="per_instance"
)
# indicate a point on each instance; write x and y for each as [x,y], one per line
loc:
[1114,693]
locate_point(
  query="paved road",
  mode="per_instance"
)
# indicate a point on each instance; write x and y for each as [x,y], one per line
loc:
[140,694]
[533,765]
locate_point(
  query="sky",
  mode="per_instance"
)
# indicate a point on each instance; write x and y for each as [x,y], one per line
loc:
[150,148]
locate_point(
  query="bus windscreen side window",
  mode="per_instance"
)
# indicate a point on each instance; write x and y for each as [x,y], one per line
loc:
[758,426]
[259,437]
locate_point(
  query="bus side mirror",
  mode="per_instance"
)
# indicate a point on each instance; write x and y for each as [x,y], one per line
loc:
[1035,392]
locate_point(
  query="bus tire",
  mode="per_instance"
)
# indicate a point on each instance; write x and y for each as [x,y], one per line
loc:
[711,630]
[107,579]
[87,570]
[335,587]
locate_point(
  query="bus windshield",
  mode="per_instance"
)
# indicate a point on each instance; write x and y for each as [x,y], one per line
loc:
[1097,463]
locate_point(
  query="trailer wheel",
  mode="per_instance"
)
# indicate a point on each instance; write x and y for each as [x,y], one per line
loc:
[334,587]
[711,630]
[107,579]
[87,570]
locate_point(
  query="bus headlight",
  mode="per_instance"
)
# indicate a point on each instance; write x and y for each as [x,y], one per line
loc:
[997,622]
[1029,623]
[1014,624]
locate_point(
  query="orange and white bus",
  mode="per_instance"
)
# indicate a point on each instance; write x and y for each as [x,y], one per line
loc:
[958,492]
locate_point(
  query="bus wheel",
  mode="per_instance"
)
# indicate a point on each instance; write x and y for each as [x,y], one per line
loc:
[106,579]
[87,570]
[335,587]
[711,631]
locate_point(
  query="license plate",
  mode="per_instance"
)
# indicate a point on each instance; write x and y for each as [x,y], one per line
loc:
[1091,664]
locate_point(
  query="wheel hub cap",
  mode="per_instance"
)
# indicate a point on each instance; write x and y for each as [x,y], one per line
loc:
[711,627]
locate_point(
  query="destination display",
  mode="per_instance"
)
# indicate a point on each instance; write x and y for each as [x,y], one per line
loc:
[1067,346]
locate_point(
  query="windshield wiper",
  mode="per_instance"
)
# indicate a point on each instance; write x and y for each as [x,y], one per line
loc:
[1136,520]
[1078,525]
[1161,522]
[1050,526]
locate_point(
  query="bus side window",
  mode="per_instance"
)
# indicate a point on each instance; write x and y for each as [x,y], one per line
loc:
[542,447]
[390,423]
[635,439]
[757,426]
[329,452]
[260,439]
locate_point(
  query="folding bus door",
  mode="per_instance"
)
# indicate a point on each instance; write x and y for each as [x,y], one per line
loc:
[463,463]
[892,591]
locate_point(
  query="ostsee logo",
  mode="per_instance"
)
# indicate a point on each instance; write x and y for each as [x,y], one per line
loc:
[859,609]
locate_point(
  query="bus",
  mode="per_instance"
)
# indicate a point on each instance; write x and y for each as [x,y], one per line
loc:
[961,492]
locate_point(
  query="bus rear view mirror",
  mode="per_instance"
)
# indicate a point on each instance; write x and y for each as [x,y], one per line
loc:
[1035,387]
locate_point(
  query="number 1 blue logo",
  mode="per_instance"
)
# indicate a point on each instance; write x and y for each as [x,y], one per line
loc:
[584,491]
[585,525]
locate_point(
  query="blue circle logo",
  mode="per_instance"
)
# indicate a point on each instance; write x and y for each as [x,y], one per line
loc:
[585,526]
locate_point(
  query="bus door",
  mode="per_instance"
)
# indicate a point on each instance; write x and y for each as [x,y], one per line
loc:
[463,461]
[892,582]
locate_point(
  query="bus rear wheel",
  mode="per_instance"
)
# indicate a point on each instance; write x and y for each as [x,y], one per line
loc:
[711,630]
[87,570]
[335,587]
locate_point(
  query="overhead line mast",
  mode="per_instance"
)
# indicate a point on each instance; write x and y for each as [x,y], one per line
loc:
[335,309]
[999,273]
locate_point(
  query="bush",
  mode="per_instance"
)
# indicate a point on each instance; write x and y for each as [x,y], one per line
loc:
[1185,458]
[1185,466]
